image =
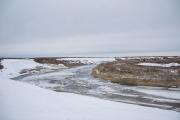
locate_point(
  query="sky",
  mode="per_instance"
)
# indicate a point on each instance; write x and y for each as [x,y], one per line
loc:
[31,28]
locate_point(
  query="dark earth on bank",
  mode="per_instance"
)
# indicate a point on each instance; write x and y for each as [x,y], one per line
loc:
[67,63]
[128,72]
[1,66]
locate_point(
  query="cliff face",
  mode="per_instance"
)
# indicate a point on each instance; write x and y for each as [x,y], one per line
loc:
[130,73]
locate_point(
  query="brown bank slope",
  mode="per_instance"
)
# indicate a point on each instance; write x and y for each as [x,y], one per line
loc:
[67,63]
[130,73]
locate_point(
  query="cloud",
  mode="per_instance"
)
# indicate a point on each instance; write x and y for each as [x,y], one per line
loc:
[59,27]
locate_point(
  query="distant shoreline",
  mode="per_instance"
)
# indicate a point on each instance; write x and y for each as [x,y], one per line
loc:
[95,55]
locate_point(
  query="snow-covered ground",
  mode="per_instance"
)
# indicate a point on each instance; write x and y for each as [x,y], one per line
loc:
[21,101]
[174,94]
[160,65]
[13,67]
[90,60]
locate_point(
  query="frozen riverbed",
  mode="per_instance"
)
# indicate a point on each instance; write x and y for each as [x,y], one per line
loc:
[78,80]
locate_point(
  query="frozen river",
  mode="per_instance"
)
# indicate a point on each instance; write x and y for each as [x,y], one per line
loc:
[79,80]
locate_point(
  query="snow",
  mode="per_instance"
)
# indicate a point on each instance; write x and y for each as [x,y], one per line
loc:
[21,101]
[164,93]
[160,65]
[140,57]
[13,67]
[90,60]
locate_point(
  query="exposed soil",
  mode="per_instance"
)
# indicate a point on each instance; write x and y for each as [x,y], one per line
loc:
[66,63]
[130,73]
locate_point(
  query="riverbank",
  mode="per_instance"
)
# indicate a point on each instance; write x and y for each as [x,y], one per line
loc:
[144,71]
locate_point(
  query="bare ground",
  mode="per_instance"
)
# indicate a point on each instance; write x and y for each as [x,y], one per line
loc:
[67,63]
[128,72]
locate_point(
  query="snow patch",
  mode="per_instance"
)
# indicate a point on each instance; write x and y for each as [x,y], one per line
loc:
[89,60]
[13,67]
[160,65]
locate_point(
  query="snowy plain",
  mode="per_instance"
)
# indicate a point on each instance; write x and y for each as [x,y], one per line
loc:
[22,101]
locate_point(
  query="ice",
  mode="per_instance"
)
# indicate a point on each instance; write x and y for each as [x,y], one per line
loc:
[21,101]
[175,94]
[78,80]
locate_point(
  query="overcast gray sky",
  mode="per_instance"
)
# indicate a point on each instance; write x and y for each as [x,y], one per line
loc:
[82,27]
